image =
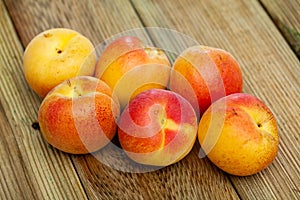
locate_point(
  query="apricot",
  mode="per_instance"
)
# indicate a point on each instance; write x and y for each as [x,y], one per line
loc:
[203,74]
[239,134]
[129,67]
[158,127]
[57,55]
[79,115]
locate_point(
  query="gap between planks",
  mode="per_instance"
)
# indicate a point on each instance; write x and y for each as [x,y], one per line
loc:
[31,167]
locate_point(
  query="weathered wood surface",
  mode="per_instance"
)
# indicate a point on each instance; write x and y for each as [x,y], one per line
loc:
[285,15]
[270,69]
[31,169]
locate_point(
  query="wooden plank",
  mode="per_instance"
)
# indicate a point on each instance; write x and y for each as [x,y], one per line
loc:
[270,70]
[191,178]
[98,20]
[29,168]
[286,16]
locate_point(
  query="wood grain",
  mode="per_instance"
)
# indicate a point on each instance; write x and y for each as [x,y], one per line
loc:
[97,20]
[30,169]
[270,72]
[33,169]
[286,16]
[98,179]
[191,178]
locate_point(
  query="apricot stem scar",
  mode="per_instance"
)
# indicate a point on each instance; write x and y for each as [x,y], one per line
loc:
[46,35]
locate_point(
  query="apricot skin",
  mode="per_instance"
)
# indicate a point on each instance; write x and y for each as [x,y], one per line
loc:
[129,68]
[239,134]
[204,74]
[158,127]
[56,55]
[79,115]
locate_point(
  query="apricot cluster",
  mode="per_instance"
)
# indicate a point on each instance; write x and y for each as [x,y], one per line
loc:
[155,106]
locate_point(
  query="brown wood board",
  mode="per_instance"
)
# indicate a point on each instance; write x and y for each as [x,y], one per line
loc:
[285,15]
[33,169]
[269,69]
[30,169]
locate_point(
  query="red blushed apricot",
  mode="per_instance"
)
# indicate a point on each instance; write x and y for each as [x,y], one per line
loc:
[229,70]
[129,68]
[158,127]
[79,115]
[204,74]
[239,134]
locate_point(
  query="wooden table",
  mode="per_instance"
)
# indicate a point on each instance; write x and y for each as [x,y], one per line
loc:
[262,35]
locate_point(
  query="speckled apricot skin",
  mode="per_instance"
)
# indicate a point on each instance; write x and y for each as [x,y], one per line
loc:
[204,74]
[129,68]
[56,55]
[239,134]
[158,127]
[79,115]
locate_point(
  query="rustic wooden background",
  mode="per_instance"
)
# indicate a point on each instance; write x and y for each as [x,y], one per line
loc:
[262,35]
